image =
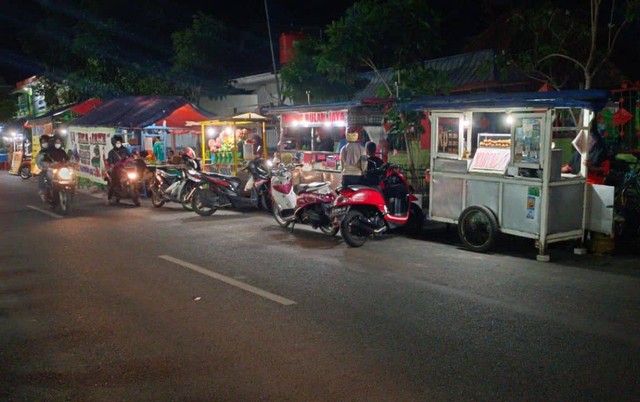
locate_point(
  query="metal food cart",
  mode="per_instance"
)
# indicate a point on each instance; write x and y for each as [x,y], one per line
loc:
[494,167]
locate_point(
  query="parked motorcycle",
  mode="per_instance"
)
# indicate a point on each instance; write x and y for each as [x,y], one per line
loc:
[307,204]
[60,186]
[168,187]
[127,186]
[219,191]
[260,180]
[364,211]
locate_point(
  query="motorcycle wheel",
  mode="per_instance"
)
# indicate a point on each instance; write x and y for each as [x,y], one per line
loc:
[64,202]
[351,234]
[201,205]
[135,196]
[156,198]
[25,172]
[330,230]
[265,202]
[186,202]
[416,221]
[278,216]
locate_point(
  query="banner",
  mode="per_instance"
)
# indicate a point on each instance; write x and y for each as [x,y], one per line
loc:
[16,161]
[90,147]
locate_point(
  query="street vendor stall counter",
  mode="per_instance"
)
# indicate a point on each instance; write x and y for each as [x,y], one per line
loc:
[495,169]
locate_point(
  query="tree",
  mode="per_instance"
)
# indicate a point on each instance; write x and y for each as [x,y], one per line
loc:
[567,48]
[371,35]
[200,57]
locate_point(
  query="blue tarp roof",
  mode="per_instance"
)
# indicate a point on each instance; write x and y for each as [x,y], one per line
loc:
[135,111]
[592,99]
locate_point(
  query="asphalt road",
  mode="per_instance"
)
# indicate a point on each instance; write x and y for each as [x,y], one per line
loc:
[144,304]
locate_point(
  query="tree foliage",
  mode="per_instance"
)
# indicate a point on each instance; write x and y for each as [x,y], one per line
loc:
[370,36]
[566,48]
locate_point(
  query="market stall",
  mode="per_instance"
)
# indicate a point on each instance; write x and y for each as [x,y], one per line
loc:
[494,167]
[138,119]
[228,143]
[314,134]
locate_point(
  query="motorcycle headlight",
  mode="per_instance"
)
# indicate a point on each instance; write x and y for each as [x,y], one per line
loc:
[65,173]
[132,175]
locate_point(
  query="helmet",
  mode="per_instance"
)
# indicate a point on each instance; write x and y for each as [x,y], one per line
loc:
[44,138]
[116,138]
[56,137]
[189,152]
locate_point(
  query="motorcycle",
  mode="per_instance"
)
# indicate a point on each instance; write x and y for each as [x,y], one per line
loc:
[307,204]
[167,187]
[219,191]
[365,211]
[127,188]
[60,186]
[260,180]
[25,169]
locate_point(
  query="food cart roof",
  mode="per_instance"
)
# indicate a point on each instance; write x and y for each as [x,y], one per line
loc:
[591,99]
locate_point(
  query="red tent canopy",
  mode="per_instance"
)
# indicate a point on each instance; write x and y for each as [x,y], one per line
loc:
[86,106]
[180,116]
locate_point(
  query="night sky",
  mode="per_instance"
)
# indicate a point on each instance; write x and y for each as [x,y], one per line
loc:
[152,23]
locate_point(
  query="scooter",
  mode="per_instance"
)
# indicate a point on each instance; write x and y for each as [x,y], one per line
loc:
[60,186]
[128,183]
[219,191]
[307,204]
[260,180]
[365,211]
[167,187]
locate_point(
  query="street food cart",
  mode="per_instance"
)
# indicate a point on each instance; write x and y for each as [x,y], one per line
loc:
[228,143]
[494,167]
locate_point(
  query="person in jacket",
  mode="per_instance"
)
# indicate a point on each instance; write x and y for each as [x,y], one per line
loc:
[372,176]
[42,161]
[353,161]
[116,158]
[57,153]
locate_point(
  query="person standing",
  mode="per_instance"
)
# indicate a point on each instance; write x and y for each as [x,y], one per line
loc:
[372,176]
[353,161]
[158,149]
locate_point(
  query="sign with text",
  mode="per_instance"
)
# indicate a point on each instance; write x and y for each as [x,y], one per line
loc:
[491,160]
[90,148]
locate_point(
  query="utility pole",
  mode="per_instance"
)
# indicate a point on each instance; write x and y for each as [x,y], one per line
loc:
[273,56]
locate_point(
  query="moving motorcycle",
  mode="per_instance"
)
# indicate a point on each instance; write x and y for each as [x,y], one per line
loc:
[364,211]
[168,187]
[219,191]
[127,186]
[307,204]
[60,186]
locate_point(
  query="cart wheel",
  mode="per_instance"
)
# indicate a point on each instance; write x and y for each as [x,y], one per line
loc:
[478,228]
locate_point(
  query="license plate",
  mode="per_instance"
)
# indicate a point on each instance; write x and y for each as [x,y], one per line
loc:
[339,211]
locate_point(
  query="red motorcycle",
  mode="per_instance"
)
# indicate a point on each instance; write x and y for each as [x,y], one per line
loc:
[365,211]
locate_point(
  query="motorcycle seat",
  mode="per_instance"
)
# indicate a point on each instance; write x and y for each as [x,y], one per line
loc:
[232,179]
[358,187]
[310,187]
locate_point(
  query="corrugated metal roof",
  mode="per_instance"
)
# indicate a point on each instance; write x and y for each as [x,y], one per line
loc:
[592,99]
[462,70]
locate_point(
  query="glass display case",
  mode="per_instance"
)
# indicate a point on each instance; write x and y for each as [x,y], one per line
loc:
[492,140]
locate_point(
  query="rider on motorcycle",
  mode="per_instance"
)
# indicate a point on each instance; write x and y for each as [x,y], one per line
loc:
[42,162]
[116,157]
